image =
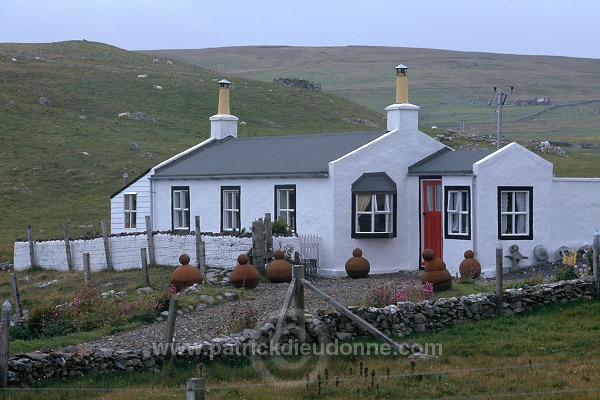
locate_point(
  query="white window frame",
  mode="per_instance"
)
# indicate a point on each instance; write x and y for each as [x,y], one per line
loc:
[288,214]
[231,209]
[130,210]
[388,212]
[181,210]
[508,220]
[459,215]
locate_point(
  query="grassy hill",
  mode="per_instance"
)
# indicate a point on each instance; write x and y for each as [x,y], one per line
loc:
[60,164]
[450,86]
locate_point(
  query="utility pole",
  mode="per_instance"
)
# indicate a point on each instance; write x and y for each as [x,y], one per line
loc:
[500,99]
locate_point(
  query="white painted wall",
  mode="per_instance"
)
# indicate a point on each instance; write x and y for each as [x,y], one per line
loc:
[513,165]
[220,251]
[256,199]
[575,212]
[142,188]
[392,153]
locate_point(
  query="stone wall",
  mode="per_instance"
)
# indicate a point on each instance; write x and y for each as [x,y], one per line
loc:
[325,325]
[220,250]
[407,317]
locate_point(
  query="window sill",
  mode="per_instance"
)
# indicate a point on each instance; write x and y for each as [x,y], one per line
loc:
[373,235]
[455,236]
[516,237]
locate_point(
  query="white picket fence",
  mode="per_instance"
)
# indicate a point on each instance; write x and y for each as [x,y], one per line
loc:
[309,253]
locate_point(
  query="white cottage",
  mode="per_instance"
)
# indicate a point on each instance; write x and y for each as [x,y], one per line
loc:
[392,193]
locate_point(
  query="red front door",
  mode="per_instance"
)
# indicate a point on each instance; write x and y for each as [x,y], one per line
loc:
[432,215]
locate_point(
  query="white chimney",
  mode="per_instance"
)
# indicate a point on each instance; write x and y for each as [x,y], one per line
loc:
[402,114]
[223,124]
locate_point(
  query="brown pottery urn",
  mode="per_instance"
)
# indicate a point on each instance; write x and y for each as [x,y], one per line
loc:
[357,266]
[185,275]
[279,270]
[469,267]
[245,275]
[435,272]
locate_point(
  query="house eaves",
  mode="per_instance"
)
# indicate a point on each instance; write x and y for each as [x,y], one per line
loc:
[130,183]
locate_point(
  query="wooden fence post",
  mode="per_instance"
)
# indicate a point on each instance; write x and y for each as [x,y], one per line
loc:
[109,264]
[31,249]
[297,276]
[353,317]
[150,237]
[499,273]
[171,329]
[145,278]
[268,236]
[6,311]
[595,260]
[283,312]
[68,247]
[195,389]
[200,249]
[16,296]
[258,245]
[86,268]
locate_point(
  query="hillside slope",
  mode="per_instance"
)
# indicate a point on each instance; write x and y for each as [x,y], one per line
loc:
[59,164]
[454,89]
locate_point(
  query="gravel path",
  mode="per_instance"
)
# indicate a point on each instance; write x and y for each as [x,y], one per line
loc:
[198,325]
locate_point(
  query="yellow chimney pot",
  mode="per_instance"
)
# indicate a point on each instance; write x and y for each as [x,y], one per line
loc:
[224,97]
[401,84]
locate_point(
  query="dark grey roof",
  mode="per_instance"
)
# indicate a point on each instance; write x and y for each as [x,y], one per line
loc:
[448,162]
[270,156]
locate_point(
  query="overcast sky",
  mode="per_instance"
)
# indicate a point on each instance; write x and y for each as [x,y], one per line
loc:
[547,27]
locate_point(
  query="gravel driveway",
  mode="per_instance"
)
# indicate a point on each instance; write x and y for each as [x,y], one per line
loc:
[198,325]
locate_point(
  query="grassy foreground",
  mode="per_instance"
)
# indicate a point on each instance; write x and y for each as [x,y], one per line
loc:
[548,354]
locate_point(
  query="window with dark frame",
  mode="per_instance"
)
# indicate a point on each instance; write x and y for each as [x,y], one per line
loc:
[458,212]
[374,204]
[180,206]
[515,212]
[230,208]
[130,210]
[285,204]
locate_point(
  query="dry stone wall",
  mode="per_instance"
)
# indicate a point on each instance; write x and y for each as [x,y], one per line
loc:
[401,319]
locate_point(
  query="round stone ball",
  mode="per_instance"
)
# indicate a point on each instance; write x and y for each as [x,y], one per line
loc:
[243,259]
[184,259]
[428,254]
[279,270]
[184,276]
[357,267]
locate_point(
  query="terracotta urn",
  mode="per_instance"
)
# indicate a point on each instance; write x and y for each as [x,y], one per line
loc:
[469,267]
[357,266]
[435,272]
[244,275]
[279,270]
[185,275]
